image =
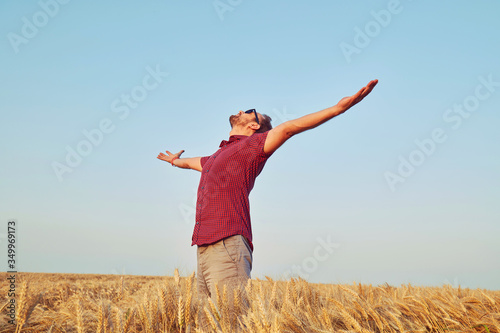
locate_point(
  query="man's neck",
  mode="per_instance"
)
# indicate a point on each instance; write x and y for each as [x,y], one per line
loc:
[240,131]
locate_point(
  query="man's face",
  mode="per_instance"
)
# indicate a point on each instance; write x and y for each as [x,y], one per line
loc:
[241,119]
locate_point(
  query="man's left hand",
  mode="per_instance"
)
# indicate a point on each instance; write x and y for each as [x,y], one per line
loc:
[348,102]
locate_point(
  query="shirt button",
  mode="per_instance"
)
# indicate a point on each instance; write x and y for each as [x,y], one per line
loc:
[197,222]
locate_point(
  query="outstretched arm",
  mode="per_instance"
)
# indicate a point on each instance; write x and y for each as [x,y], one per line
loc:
[185,163]
[278,135]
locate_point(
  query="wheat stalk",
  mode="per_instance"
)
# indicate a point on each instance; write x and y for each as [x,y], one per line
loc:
[397,321]
[325,319]
[187,307]
[294,290]
[180,313]
[458,325]
[128,321]
[100,320]
[170,308]
[259,327]
[423,319]
[292,318]
[272,299]
[151,312]
[385,323]
[210,318]
[349,291]
[313,318]
[226,315]
[246,324]
[361,310]
[143,315]
[4,306]
[376,317]
[491,301]
[214,309]
[177,277]
[236,305]
[348,319]
[79,316]
[299,302]
[218,296]
[27,305]
[277,327]
[262,311]
[261,289]
[288,294]
[162,295]
[351,322]
[249,289]
[22,307]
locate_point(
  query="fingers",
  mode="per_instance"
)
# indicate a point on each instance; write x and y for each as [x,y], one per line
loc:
[366,90]
[359,95]
[371,85]
[179,153]
[164,157]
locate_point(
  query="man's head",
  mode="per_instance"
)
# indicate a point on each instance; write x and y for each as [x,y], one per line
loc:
[246,122]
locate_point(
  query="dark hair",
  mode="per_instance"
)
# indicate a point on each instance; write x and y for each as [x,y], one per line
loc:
[265,124]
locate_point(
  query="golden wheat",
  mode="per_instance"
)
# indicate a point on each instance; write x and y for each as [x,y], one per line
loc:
[131,304]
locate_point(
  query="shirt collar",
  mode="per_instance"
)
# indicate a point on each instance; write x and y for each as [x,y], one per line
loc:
[232,139]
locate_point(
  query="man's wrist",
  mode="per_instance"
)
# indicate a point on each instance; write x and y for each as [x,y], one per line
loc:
[173,159]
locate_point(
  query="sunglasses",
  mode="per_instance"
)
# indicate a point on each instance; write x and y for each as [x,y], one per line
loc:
[255,112]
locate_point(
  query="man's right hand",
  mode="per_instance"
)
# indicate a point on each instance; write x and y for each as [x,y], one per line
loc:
[168,158]
[185,163]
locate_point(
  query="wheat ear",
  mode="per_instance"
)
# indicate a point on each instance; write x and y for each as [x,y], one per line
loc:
[4,306]
[273,294]
[214,309]
[29,305]
[262,311]
[100,319]
[180,313]
[79,316]
[226,315]
[187,305]
[22,307]
[177,277]
[236,305]
[210,317]
[128,321]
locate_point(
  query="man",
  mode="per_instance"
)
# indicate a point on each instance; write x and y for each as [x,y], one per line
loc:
[223,230]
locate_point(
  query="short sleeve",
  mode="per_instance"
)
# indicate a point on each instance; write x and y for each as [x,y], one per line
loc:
[258,141]
[204,160]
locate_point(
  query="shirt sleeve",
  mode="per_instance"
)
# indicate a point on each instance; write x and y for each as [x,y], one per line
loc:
[259,141]
[259,156]
[204,160]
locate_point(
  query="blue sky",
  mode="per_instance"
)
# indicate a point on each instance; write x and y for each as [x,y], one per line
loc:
[404,186]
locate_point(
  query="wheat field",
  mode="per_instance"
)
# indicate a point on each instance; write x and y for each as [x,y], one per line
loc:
[85,303]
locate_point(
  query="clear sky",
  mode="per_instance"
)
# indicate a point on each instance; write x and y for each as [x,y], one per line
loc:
[403,188]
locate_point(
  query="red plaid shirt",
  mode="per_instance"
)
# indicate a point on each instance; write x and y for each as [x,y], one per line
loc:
[227,177]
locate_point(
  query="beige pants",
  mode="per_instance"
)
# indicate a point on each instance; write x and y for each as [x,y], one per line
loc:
[227,262]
